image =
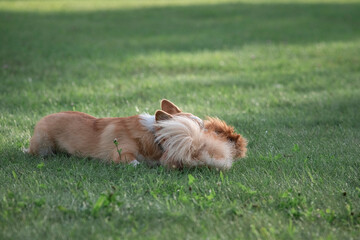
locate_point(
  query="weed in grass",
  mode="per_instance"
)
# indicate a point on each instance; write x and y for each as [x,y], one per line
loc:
[40,165]
[117,148]
[107,202]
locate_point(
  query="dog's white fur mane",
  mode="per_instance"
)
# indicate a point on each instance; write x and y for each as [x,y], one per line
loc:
[148,121]
[184,141]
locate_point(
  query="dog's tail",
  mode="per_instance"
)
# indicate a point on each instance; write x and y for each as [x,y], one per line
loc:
[185,143]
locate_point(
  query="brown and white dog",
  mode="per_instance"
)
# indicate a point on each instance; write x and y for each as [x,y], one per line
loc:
[170,137]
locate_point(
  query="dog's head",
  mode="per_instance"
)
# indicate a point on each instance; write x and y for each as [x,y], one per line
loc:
[188,141]
[185,143]
[227,132]
[169,110]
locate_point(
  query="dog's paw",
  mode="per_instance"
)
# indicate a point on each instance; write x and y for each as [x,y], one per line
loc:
[25,150]
[134,163]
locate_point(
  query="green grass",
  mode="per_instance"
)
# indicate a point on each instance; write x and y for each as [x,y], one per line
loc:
[286,74]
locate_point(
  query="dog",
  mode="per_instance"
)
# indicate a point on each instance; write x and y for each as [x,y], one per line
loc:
[80,134]
[171,138]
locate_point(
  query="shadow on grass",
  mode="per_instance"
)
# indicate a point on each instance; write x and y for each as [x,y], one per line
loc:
[81,46]
[119,33]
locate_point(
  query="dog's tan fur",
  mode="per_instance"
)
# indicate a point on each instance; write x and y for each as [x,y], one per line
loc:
[80,134]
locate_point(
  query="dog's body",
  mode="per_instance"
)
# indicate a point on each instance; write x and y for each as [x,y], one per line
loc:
[83,135]
[170,137]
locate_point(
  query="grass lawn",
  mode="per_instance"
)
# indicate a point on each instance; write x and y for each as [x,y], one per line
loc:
[286,74]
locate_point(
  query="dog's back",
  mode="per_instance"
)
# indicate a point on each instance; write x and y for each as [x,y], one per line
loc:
[83,135]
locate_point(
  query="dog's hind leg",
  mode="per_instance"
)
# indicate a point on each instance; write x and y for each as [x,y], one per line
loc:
[41,144]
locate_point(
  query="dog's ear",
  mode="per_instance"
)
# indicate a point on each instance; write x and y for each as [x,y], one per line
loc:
[160,115]
[169,107]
